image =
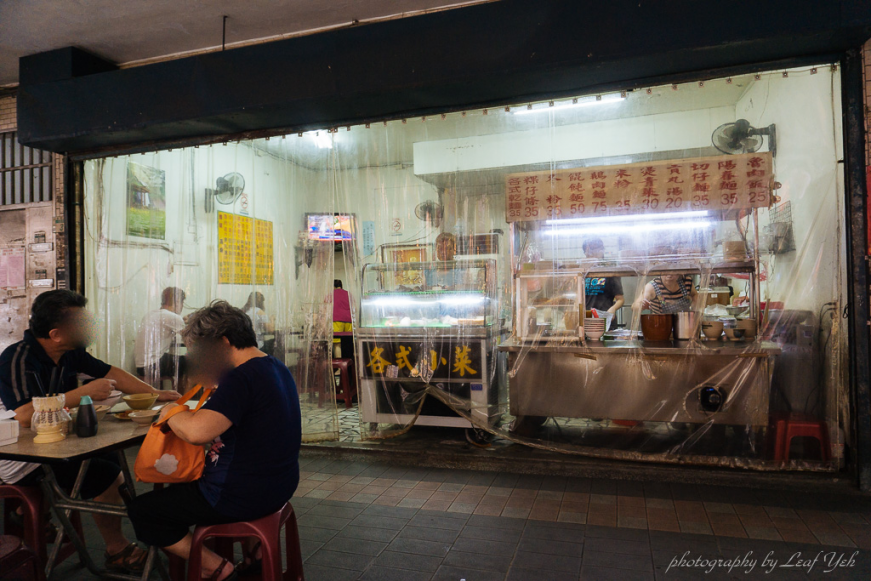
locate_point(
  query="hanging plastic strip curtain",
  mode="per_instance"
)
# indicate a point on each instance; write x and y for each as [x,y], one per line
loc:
[651,275]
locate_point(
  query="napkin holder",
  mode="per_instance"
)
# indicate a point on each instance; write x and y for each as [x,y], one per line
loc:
[9,428]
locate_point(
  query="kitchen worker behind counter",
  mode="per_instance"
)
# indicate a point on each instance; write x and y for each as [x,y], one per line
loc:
[668,293]
[602,293]
[50,356]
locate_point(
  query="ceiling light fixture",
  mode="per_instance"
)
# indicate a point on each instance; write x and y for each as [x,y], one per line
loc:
[574,104]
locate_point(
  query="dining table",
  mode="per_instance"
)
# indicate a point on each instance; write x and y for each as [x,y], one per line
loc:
[113,435]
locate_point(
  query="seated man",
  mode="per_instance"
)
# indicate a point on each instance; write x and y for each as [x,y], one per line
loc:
[252,426]
[54,347]
[157,339]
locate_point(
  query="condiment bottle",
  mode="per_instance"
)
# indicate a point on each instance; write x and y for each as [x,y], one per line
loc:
[86,421]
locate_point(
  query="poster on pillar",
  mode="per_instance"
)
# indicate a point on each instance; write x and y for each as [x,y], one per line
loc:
[721,183]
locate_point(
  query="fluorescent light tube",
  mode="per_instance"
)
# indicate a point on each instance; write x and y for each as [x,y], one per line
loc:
[581,102]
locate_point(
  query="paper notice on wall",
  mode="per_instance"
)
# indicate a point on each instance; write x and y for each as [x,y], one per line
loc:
[368,238]
[12,268]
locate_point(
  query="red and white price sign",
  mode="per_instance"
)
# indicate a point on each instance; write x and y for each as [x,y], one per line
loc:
[727,182]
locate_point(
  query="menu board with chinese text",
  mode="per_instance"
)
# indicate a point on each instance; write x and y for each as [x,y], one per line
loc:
[722,183]
[245,253]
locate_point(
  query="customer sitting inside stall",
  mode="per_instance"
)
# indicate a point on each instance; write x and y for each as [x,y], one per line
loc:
[255,308]
[252,426]
[155,353]
[668,293]
[48,359]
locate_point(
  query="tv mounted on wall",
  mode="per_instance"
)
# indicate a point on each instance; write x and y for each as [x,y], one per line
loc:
[330,227]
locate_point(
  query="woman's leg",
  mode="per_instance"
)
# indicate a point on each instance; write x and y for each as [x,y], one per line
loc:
[210,560]
[163,518]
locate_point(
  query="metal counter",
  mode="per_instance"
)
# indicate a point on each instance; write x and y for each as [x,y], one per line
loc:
[642,380]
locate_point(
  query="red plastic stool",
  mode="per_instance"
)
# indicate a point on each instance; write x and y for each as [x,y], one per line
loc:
[18,562]
[784,427]
[347,380]
[33,504]
[268,531]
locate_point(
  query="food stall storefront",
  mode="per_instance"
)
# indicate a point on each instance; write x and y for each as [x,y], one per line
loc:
[691,219]
[650,274]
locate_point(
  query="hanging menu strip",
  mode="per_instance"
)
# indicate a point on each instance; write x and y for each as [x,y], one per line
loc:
[727,182]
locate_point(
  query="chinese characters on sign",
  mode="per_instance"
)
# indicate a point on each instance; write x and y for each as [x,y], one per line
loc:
[244,250]
[447,360]
[728,182]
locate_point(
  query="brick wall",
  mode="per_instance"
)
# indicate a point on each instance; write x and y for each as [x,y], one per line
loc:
[9,122]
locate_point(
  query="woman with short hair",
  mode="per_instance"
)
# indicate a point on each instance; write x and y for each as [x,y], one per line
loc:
[247,476]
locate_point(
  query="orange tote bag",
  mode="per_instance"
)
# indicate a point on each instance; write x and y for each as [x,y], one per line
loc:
[166,458]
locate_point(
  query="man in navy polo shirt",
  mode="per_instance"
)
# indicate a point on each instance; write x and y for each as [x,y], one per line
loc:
[50,357]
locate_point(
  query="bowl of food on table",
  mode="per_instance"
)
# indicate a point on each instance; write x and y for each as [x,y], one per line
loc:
[140,401]
[144,417]
[114,398]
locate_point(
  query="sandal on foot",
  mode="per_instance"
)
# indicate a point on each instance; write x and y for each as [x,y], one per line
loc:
[250,565]
[216,574]
[127,559]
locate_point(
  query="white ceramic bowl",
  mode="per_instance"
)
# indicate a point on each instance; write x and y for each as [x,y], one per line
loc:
[114,398]
[593,335]
[144,417]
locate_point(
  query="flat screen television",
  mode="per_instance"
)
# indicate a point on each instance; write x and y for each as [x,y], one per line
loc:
[330,227]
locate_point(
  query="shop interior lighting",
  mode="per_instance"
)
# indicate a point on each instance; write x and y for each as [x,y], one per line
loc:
[581,102]
[321,139]
[460,300]
[635,218]
[631,228]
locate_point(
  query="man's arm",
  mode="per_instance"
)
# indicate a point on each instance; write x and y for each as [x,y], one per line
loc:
[24,414]
[130,384]
[199,428]
[618,303]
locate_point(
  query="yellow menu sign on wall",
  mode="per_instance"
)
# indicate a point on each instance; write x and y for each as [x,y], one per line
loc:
[244,250]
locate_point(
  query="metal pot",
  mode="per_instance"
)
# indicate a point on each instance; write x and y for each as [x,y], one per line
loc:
[656,327]
[686,325]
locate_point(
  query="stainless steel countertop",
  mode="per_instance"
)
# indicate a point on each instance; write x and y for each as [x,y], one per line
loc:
[733,348]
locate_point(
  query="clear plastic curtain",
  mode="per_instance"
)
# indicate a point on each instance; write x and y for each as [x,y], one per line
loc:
[650,275]
[216,222]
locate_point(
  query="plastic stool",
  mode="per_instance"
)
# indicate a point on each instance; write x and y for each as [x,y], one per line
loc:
[18,562]
[785,427]
[268,531]
[347,380]
[33,506]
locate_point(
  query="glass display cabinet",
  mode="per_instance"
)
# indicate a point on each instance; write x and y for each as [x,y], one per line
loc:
[425,327]
[429,294]
[549,304]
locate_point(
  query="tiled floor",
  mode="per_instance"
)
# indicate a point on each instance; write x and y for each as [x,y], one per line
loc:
[706,510]
[380,522]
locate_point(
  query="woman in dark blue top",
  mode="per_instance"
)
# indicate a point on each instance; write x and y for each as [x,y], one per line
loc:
[252,427]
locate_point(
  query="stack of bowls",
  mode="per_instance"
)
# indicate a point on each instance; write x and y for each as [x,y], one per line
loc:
[594,328]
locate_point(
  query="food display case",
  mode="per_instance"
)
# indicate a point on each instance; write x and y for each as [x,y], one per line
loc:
[429,325]
[683,380]
[549,303]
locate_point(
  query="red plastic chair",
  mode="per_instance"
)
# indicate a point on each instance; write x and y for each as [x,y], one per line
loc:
[18,562]
[347,380]
[784,427]
[33,504]
[268,531]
